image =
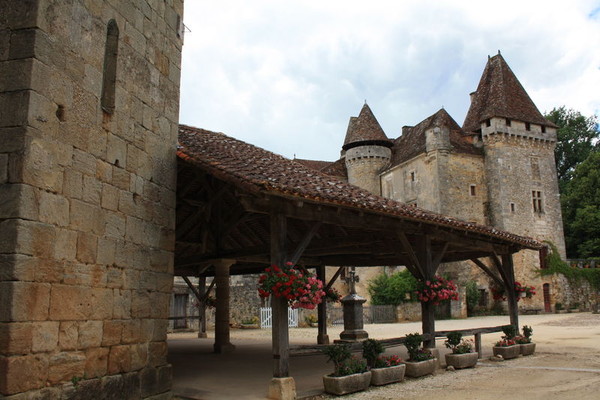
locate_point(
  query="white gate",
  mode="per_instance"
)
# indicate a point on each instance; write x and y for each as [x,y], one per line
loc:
[266,317]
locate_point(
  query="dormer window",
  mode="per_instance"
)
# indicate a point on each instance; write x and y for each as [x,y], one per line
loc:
[527,126]
[488,122]
[508,122]
[543,129]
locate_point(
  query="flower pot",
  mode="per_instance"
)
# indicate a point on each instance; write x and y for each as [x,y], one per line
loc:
[420,368]
[383,376]
[340,385]
[465,360]
[507,352]
[527,349]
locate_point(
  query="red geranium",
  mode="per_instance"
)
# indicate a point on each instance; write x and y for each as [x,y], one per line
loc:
[301,288]
[436,290]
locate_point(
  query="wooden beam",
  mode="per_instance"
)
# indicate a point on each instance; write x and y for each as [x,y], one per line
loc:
[411,255]
[440,254]
[305,242]
[279,306]
[488,271]
[334,278]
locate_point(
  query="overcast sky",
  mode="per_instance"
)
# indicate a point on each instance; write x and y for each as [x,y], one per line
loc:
[287,75]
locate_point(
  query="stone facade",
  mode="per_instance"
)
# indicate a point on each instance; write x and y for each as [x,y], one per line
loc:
[88,129]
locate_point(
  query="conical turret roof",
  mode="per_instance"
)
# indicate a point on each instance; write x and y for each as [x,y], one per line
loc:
[500,94]
[365,130]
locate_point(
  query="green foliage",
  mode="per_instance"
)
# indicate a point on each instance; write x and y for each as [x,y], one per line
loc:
[558,306]
[353,365]
[581,209]
[338,353]
[473,296]
[577,138]
[509,331]
[371,350]
[412,343]
[392,289]
[557,266]
[454,339]
[527,331]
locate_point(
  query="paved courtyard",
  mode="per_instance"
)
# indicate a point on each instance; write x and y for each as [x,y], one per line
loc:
[566,364]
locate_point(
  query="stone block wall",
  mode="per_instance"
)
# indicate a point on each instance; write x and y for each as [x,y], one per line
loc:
[87,201]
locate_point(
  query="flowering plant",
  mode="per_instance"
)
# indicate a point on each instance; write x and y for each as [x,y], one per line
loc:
[499,293]
[387,361]
[332,295]
[522,340]
[457,344]
[505,343]
[436,290]
[300,288]
[412,342]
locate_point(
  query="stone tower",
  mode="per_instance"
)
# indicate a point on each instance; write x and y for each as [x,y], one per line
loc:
[89,94]
[518,144]
[367,150]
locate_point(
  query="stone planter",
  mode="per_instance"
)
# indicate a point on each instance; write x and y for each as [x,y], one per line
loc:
[383,376]
[420,368]
[465,360]
[340,385]
[527,349]
[508,352]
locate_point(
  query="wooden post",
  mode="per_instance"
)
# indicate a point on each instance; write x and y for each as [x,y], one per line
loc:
[280,333]
[513,307]
[478,344]
[202,308]
[322,337]
[424,255]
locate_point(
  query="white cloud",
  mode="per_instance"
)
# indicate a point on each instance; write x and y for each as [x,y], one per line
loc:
[286,76]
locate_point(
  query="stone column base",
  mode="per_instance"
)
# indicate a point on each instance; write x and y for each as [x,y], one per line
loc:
[202,335]
[323,339]
[282,388]
[223,348]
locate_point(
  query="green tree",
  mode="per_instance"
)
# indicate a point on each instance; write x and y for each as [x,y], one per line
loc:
[581,209]
[577,138]
[392,289]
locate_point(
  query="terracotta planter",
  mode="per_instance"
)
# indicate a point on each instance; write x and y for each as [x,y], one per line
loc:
[340,385]
[383,376]
[508,352]
[465,360]
[527,349]
[420,368]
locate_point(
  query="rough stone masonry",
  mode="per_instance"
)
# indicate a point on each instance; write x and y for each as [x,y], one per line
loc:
[89,95]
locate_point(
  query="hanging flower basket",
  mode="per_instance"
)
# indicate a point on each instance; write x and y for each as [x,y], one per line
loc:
[521,291]
[300,287]
[437,290]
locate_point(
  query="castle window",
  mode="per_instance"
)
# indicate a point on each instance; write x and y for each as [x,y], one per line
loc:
[536,197]
[527,126]
[507,122]
[412,176]
[472,189]
[488,122]
[512,207]
[109,78]
[543,129]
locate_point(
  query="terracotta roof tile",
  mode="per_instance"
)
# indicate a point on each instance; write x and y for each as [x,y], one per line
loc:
[332,168]
[260,171]
[500,94]
[365,129]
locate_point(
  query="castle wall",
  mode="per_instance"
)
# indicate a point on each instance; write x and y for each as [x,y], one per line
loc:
[364,164]
[87,203]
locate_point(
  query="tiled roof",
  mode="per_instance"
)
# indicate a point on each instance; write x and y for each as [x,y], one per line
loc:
[365,129]
[332,168]
[412,141]
[500,94]
[259,171]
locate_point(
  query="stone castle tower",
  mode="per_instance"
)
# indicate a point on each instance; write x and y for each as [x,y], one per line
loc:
[89,94]
[366,151]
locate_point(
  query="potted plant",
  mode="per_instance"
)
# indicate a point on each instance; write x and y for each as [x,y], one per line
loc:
[383,369]
[436,290]
[250,323]
[462,355]
[527,347]
[350,373]
[420,361]
[507,347]
[311,320]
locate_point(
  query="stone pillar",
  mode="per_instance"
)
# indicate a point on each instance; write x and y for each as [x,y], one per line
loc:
[353,318]
[222,341]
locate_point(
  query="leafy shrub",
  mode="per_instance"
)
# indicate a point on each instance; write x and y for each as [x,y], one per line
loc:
[473,296]
[338,353]
[415,352]
[509,331]
[353,365]
[371,350]
[392,289]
